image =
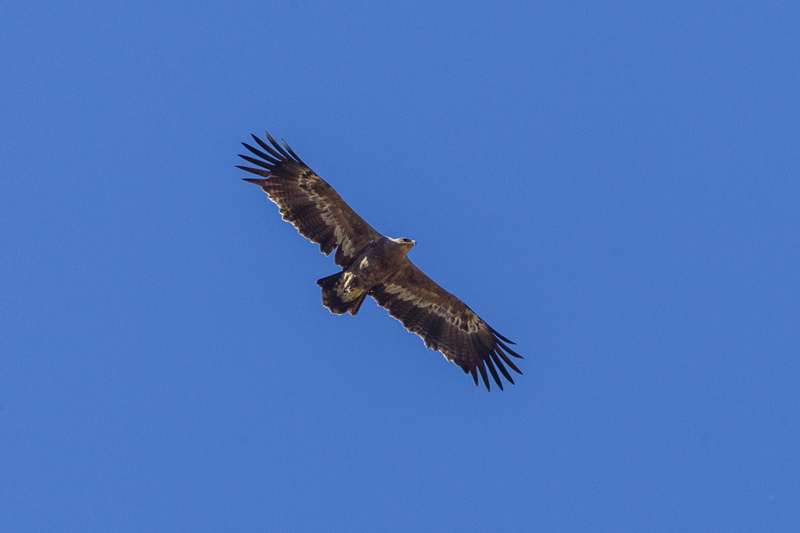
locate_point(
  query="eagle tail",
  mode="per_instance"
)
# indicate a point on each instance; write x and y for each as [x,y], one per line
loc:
[336,299]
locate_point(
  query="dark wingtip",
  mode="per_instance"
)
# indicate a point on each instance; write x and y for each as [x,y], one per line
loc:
[509,350]
[291,152]
[493,371]
[482,369]
[496,334]
[499,363]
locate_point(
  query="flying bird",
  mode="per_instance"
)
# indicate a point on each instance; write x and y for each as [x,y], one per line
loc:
[375,265]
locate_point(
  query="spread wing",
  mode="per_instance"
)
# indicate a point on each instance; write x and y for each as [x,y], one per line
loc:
[445,323]
[305,200]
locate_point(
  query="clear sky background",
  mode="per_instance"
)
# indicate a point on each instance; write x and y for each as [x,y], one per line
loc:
[615,186]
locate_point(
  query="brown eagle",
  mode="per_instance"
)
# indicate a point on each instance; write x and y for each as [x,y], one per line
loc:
[375,265]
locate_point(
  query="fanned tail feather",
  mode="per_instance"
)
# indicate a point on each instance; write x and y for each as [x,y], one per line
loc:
[332,296]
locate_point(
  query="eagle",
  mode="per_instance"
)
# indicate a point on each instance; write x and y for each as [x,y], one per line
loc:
[375,265]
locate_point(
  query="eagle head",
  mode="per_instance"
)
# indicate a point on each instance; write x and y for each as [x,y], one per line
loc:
[406,244]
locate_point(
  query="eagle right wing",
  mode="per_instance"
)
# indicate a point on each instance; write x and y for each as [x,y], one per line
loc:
[445,323]
[305,200]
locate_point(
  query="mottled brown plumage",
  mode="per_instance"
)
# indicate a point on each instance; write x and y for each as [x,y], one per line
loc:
[376,265]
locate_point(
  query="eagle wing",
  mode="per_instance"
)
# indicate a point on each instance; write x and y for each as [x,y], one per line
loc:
[445,323]
[307,201]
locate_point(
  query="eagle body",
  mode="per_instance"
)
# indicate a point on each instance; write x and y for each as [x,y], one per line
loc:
[377,266]
[345,291]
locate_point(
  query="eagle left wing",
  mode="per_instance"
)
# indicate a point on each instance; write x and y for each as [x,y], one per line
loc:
[445,323]
[308,202]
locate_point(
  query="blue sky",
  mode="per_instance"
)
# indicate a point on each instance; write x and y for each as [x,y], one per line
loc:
[615,186]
